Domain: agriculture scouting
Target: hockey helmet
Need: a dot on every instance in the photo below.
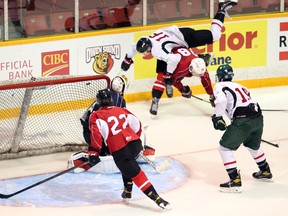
(197, 67)
(104, 97)
(119, 84)
(143, 45)
(224, 73)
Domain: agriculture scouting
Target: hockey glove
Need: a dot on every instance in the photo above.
(126, 63)
(186, 92)
(218, 123)
(212, 99)
(93, 158)
(168, 78)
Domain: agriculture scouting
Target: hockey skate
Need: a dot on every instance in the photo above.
(127, 192)
(154, 106)
(159, 201)
(264, 175)
(169, 91)
(223, 7)
(233, 185)
(208, 58)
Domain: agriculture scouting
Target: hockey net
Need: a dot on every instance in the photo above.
(42, 116)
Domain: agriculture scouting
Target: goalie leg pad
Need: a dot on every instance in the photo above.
(76, 159)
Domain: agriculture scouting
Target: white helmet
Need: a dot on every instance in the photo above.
(119, 84)
(197, 67)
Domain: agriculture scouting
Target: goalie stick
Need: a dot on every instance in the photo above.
(163, 166)
(6, 196)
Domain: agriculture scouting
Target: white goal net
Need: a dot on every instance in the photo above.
(42, 116)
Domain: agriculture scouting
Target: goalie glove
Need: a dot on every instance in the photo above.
(218, 123)
(126, 63)
(93, 158)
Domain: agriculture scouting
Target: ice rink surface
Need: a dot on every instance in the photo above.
(182, 131)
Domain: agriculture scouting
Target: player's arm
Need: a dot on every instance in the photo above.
(206, 83)
(220, 101)
(96, 140)
(172, 61)
(128, 60)
(134, 123)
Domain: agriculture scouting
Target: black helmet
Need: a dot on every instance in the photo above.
(143, 44)
(224, 73)
(104, 97)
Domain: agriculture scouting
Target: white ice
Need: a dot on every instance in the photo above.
(183, 131)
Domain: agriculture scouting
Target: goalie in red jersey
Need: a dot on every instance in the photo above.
(188, 65)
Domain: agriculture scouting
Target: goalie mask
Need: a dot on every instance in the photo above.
(197, 67)
(224, 73)
(119, 84)
(104, 97)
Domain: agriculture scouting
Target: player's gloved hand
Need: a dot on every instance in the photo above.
(126, 63)
(186, 92)
(218, 123)
(212, 99)
(93, 158)
(168, 78)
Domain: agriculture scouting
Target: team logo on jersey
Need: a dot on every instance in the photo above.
(102, 57)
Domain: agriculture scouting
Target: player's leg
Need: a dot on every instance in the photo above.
(130, 169)
(158, 87)
(253, 144)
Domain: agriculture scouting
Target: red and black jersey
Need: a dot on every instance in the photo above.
(115, 125)
(182, 69)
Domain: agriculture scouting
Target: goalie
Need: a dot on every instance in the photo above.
(121, 130)
(107, 165)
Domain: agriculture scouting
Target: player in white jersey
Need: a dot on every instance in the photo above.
(160, 44)
(246, 127)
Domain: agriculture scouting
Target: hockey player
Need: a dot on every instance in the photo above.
(161, 43)
(189, 64)
(118, 88)
(246, 127)
(121, 130)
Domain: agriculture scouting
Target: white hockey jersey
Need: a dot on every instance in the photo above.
(229, 96)
(163, 41)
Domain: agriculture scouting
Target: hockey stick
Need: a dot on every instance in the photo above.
(6, 196)
(163, 166)
(273, 144)
(270, 143)
(200, 99)
(271, 110)
(275, 110)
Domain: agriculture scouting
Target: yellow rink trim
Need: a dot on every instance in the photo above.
(47, 108)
